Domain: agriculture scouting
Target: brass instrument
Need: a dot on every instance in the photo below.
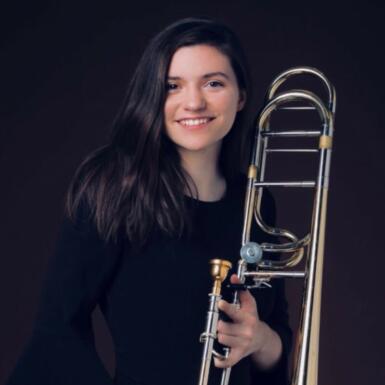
(312, 245)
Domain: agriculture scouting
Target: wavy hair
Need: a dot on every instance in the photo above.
(135, 182)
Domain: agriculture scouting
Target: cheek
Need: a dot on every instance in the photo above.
(228, 102)
(171, 104)
(168, 110)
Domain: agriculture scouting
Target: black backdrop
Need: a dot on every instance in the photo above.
(64, 70)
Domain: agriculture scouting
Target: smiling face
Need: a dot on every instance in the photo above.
(202, 99)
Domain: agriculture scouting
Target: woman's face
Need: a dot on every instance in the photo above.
(202, 98)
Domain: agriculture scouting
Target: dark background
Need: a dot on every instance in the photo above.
(64, 71)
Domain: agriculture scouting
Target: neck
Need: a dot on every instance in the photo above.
(203, 169)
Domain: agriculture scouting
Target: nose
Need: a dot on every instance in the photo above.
(194, 99)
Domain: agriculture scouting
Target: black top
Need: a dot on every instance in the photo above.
(154, 301)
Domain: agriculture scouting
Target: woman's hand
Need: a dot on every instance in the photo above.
(247, 334)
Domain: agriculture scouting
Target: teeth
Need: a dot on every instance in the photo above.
(193, 122)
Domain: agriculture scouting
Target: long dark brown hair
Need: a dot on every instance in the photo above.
(136, 181)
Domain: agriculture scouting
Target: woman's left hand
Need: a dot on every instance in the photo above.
(247, 334)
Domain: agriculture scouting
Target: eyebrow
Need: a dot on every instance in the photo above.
(205, 76)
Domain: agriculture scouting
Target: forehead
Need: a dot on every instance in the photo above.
(198, 60)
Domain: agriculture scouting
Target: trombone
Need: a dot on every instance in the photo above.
(312, 245)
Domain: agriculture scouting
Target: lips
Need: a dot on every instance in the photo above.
(195, 122)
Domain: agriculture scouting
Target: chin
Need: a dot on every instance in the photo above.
(196, 147)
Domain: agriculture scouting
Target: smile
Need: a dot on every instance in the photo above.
(194, 122)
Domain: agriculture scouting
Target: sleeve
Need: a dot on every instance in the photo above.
(61, 350)
(278, 318)
(279, 322)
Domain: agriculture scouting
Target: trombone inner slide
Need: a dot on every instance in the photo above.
(219, 271)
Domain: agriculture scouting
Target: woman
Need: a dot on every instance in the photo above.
(145, 214)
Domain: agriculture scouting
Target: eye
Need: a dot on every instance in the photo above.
(215, 84)
(171, 87)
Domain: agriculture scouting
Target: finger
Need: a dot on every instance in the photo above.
(231, 360)
(231, 310)
(244, 332)
(246, 300)
(229, 341)
(229, 328)
(234, 279)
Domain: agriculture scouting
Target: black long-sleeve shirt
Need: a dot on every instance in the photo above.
(154, 301)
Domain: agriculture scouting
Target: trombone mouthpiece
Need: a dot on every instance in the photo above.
(219, 271)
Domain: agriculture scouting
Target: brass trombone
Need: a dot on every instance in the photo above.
(312, 245)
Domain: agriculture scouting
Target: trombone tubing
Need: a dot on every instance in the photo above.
(306, 359)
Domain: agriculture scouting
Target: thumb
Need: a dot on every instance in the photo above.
(246, 300)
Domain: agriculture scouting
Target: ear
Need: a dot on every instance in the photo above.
(242, 100)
